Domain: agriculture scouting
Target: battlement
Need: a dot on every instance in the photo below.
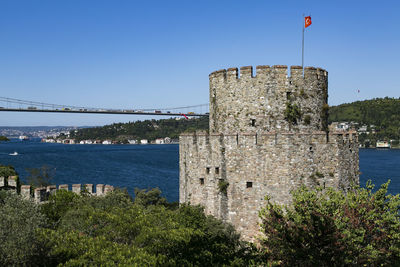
(268, 100)
(269, 138)
(41, 194)
(269, 71)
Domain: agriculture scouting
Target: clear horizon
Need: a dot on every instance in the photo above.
(136, 55)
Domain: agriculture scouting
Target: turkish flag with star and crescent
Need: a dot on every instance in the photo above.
(307, 21)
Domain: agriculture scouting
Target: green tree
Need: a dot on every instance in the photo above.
(57, 205)
(6, 171)
(184, 236)
(77, 249)
(329, 227)
(149, 197)
(19, 220)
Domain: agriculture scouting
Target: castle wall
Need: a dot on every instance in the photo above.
(268, 136)
(274, 164)
(257, 103)
(41, 194)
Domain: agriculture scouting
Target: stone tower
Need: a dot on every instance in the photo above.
(267, 135)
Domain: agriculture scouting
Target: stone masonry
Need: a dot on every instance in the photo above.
(254, 148)
(41, 194)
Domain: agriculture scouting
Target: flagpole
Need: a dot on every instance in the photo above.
(302, 48)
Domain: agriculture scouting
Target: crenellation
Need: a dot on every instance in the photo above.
(12, 181)
(255, 151)
(232, 74)
(76, 188)
(42, 194)
(100, 189)
(246, 72)
(26, 191)
(63, 187)
(262, 71)
(51, 189)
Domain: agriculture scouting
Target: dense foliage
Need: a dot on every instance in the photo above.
(6, 171)
(331, 228)
(19, 220)
(83, 230)
(383, 113)
(148, 129)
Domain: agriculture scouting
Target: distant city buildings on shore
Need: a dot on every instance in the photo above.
(70, 141)
(363, 130)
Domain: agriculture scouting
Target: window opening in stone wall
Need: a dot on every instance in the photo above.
(216, 170)
(208, 170)
(253, 122)
(249, 184)
(202, 181)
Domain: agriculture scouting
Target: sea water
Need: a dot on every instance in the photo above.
(148, 166)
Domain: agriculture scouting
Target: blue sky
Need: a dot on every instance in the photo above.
(155, 54)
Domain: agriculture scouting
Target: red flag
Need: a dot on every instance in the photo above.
(307, 21)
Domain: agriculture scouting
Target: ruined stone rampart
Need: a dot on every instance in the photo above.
(41, 194)
(268, 135)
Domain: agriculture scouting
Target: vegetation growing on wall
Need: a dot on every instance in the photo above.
(292, 112)
(223, 186)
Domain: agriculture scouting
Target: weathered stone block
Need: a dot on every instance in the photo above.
(40, 194)
(26, 191)
(63, 187)
(76, 188)
(12, 181)
(108, 188)
(2, 181)
(100, 189)
(51, 189)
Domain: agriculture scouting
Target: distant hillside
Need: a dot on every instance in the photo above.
(383, 113)
(148, 129)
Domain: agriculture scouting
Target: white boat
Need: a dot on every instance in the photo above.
(23, 137)
(13, 154)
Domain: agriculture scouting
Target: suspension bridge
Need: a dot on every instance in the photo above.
(17, 105)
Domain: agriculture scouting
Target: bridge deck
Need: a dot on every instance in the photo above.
(121, 112)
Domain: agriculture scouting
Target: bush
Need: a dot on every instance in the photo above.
(328, 227)
(292, 113)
